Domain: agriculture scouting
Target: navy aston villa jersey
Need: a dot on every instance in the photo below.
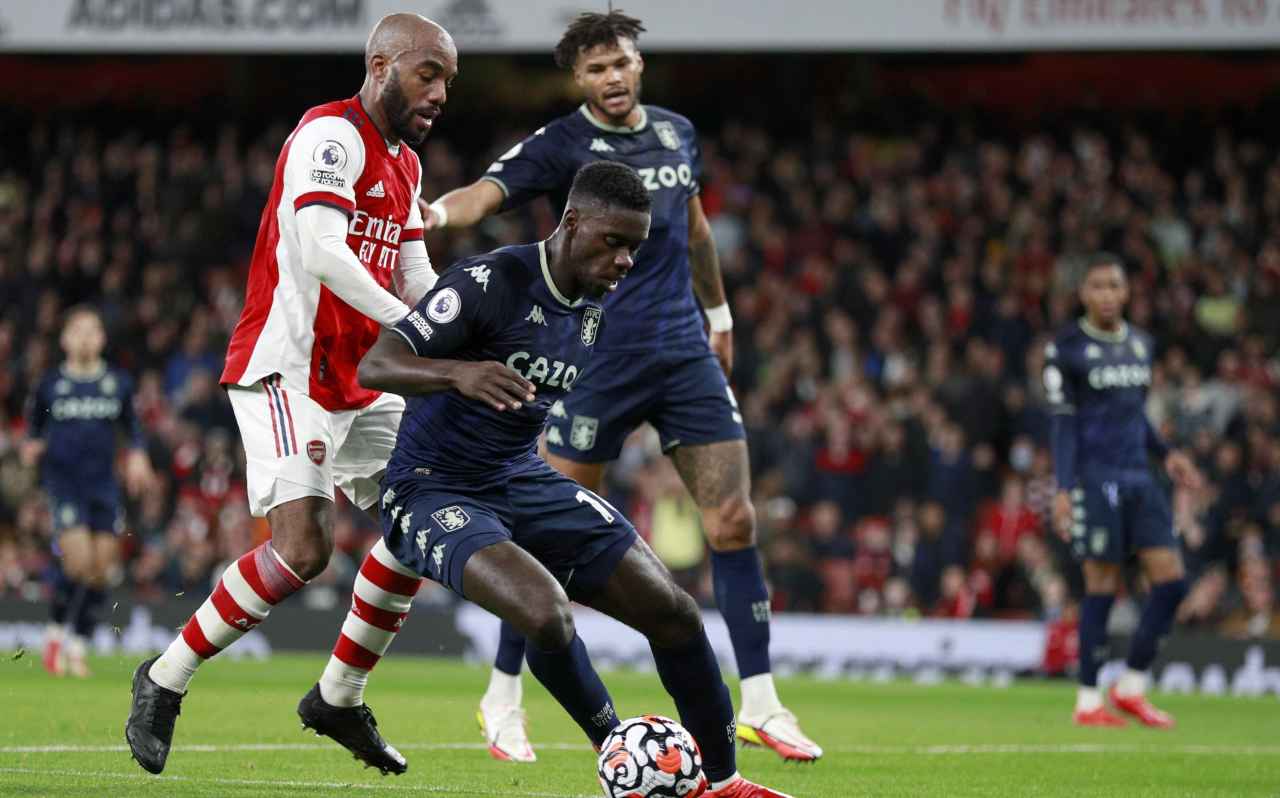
(79, 420)
(655, 306)
(499, 306)
(1103, 379)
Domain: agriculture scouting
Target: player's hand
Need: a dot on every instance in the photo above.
(430, 221)
(1182, 471)
(31, 451)
(1063, 516)
(494, 384)
(722, 345)
(138, 476)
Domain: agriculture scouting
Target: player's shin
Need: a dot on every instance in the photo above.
(691, 674)
(1155, 623)
(380, 602)
(1094, 611)
(570, 677)
(243, 597)
(743, 600)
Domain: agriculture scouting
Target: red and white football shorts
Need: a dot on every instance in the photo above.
(296, 448)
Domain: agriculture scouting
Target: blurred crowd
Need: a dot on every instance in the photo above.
(892, 296)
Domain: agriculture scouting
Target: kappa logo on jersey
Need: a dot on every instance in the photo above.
(557, 409)
(600, 145)
(536, 316)
(437, 554)
(1139, 349)
(376, 190)
(405, 522)
(445, 306)
(451, 518)
(1092, 352)
(554, 437)
(582, 436)
(667, 135)
(316, 451)
(108, 384)
(480, 272)
(388, 497)
(590, 325)
(62, 387)
(423, 537)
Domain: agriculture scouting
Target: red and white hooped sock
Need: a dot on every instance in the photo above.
(380, 601)
(243, 597)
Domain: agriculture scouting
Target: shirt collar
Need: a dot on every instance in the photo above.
(1098, 334)
(551, 284)
(639, 126)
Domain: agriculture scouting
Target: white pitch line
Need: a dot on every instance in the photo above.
(332, 785)
(916, 750)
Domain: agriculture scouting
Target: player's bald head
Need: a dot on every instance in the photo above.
(399, 35)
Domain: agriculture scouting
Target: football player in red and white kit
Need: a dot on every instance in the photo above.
(340, 229)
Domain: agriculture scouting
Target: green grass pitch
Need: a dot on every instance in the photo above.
(238, 736)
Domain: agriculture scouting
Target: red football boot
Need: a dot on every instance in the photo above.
(1139, 707)
(53, 658)
(741, 788)
(1098, 717)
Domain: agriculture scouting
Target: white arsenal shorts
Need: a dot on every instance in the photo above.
(296, 448)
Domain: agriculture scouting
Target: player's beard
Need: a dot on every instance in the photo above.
(399, 115)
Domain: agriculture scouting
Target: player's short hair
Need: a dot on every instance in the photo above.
(614, 184)
(81, 310)
(1099, 260)
(590, 29)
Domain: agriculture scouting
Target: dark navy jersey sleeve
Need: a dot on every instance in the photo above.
(466, 304)
(695, 158)
(541, 164)
(129, 420)
(38, 410)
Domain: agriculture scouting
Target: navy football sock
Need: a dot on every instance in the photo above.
(692, 677)
(571, 678)
(1156, 620)
(1093, 635)
(743, 600)
(86, 619)
(60, 600)
(510, 656)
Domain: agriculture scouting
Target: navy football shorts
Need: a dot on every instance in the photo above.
(434, 526)
(1116, 514)
(72, 507)
(684, 395)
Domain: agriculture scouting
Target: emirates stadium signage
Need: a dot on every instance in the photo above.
(722, 25)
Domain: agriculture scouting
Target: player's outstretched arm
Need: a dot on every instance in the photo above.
(391, 365)
(462, 207)
(708, 285)
(322, 231)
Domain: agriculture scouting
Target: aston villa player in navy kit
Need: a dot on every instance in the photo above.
(1110, 505)
(468, 502)
(653, 362)
(77, 414)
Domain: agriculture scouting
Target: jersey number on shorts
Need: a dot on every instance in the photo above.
(594, 501)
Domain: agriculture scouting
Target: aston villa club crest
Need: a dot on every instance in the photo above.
(590, 325)
(582, 435)
(667, 135)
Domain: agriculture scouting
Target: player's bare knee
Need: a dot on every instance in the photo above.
(734, 524)
(678, 622)
(551, 628)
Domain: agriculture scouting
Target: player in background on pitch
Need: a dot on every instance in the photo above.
(1109, 503)
(653, 363)
(76, 416)
(341, 227)
(468, 502)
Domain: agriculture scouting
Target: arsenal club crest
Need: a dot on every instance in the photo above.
(316, 450)
(590, 325)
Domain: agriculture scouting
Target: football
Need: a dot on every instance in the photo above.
(651, 757)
